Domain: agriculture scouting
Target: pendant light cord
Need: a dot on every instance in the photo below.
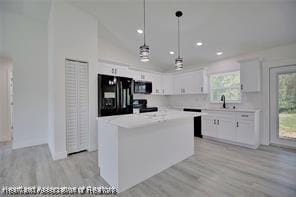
(178, 37)
(144, 23)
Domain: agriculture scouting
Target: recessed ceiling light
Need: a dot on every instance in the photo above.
(172, 52)
(199, 43)
(219, 53)
(140, 31)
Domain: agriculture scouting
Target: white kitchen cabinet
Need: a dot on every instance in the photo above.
(200, 79)
(209, 127)
(141, 75)
(177, 85)
(112, 69)
(219, 125)
(194, 82)
(167, 84)
(247, 130)
(226, 127)
(182, 84)
(157, 84)
(250, 75)
(237, 127)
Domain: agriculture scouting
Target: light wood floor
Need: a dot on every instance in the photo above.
(216, 169)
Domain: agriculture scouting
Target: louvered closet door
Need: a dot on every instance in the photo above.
(76, 106)
(83, 120)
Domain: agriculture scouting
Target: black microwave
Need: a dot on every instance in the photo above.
(143, 87)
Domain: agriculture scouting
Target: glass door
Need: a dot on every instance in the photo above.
(283, 105)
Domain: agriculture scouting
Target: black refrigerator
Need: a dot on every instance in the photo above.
(115, 95)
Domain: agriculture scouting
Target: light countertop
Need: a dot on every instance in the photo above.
(216, 109)
(140, 120)
(232, 110)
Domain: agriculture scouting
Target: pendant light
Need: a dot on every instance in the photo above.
(179, 59)
(144, 49)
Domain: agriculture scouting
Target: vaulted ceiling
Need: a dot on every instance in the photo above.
(234, 27)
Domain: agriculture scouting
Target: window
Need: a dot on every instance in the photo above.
(227, 84)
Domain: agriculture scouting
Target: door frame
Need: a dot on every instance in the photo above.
(273, 106)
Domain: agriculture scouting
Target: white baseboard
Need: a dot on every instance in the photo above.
(28, 143)
(231, 142)
(4, 138)
(57, 155)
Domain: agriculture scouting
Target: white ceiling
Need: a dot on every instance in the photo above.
(234, 27)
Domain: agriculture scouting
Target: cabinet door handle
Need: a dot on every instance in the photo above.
(115, 70)
(217, 122)
(237, 125)
(201, 89)
(214, 121)
(245, 116)
(242, 86)
(112, 70)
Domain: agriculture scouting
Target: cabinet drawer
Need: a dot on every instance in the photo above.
(245, 116)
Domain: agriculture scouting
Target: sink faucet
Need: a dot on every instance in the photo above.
(223, 99)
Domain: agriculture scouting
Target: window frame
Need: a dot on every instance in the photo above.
(219, 74)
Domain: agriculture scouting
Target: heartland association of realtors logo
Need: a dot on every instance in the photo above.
(63, 190)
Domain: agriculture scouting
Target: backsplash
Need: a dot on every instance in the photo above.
(249, 101)
(153, 100)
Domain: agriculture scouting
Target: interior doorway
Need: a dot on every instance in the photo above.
(6, 102)
(283, 106)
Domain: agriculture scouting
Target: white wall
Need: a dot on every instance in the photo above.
(1, 31)
(5, 67)
(111, 49)
(25, 42)
(73, 34)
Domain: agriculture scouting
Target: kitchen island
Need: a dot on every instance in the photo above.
(134, 147)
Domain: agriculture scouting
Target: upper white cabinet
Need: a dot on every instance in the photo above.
(167, 80)
(157, 84)
(181, 83)
(201, 80)
(112, 69)
(141, 75)
(250, 75)
(194, 82)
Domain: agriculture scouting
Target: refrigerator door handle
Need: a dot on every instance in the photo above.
(120, 95)
(117, 95)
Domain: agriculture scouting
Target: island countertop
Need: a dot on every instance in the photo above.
(129, 121)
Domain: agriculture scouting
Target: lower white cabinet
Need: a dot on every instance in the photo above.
(240, 128)
(226, 127)
(209, 127)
